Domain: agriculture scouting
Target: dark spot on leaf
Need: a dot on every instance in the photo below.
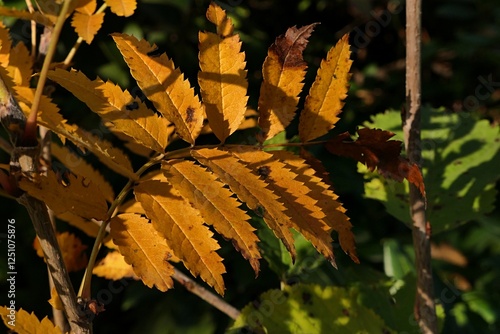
(132, 106)
(260, 211)
(85, 182)
(190, 115)
(345, 312)
(154, 53)
(307, 298)
(458, 162)
(264, 171)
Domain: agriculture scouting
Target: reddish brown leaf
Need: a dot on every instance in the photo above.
(374, 149)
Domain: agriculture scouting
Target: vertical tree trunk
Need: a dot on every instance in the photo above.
(424, 308)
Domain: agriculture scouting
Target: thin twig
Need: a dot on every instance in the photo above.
(424, 309)
(30, 130)
(206, 295)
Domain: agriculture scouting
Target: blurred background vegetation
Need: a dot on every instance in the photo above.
(460, 45)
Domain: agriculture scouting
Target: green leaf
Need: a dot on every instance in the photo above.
(396, 262)
(309, 309)
(461, 156)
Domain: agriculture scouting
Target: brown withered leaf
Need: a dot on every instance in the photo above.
(374, 149)
(283, 73)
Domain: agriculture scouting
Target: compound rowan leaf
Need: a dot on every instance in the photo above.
(128, 115)
(164, 85)
(283, 71)
(122, 7)
(326, 199)
(79, 166)
(87, 26)
(144, 249)
(216, 205)
(80, 195)
(222, 78)
(306, 216)
(374, 149)
(27, 323)
(251, 190)
(327, 93)
(182, 226)
(113, 266)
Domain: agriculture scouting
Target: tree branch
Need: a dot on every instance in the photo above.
(206, 295)
(424, 308)
(37, 210)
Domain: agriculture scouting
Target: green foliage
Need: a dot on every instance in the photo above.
(460, 166)
(310, 309)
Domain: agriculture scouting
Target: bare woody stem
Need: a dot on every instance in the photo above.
(206, 295)
(53, 256)
(424, 308)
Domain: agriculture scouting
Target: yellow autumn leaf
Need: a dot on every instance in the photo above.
(283, 73)
(72, 249)
(79, 196)
(55, 301)
(80, 166)
(48, 116)
(251, 190)
(182, 226)
(23, 322)
(87, 26)
(306, 216)
(114, 267)
(143, 248)
(222, 78)
(131, 206)
(122, 7)
(164, 85)
(85, 225)
(327, 93)
(217, 16)
(86, 6)
(127, 114)
(47, 20)
(5, 45)
(20, 65)
(216, 204)
(335, 215)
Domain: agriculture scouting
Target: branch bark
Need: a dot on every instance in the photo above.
(424, 308)
(37, 210)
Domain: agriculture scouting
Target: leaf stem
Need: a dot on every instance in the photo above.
(84, 291)
(30, 130)
(206, 295)
(79, 41)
